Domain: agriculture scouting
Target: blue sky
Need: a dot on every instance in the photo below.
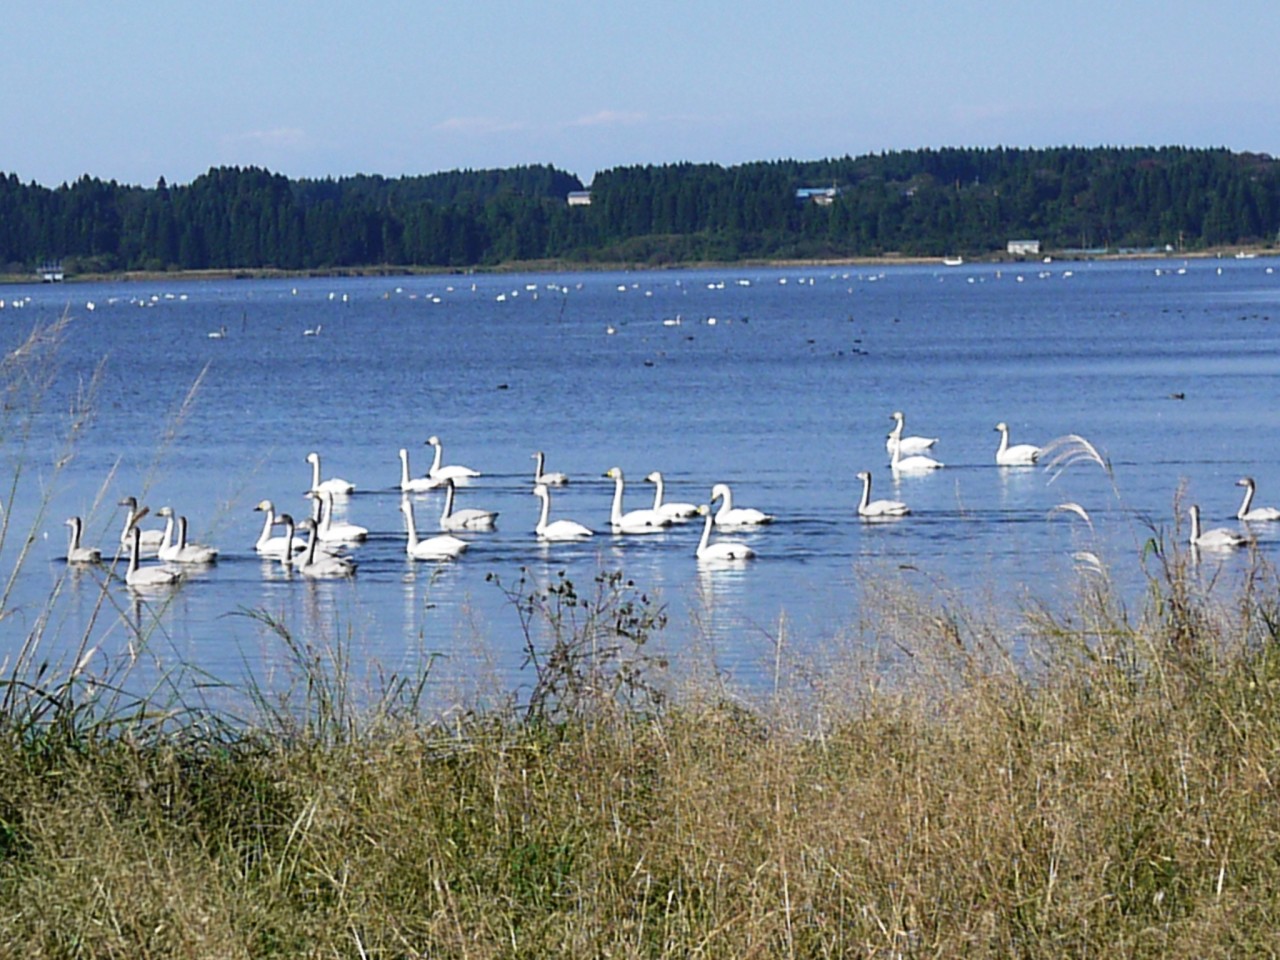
(133, 91)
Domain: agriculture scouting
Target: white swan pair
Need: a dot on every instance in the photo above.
(634, 521)
(150, 539)
(310, 562)
(329, 530)
(180, 550)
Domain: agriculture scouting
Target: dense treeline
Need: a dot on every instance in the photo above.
(920, 202)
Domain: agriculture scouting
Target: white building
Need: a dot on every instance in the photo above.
(1024, 248)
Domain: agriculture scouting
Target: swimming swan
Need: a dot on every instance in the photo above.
(560, 529)
(275, 546)
(1017, 455)
(1256, 513)
(637, 521)
(452, 472)
(730, 516)
(442, 547)
(410, 484)
(553, 479)
(722, 549)
(334, 485)
(468, 519)
(318, 566)
(676, 510)
(178, 550)
(75, 552)
(137, 576)
(1219, 538)
(330, 530)
(151, 539)
(917, 463)
(907, 446)
(874, 509)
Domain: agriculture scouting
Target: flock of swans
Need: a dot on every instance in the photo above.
(317, 546)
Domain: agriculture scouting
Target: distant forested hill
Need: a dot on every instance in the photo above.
(920, 202)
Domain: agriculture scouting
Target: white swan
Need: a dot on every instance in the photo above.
(335, 485)
(1247, 511)
(138, 576)
(452, 472)
(468, 519)
(410, 484)
(318, 566)
(1219, 538)
(441, 547)
(177, 549)
(1015, 455)
(637, 521)
(676, 510)
(873, 509)
(330, 530)
(151, 539)
(275, 546)
(552, 479)
(917, 463)
(75, 552)
(721, 549)
(730, 516)
(907, 446)
(560, 529)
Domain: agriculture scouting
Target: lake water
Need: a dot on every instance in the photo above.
(778, 381)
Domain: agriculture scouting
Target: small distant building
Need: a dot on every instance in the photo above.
(50, 271)
(579, 198)
(822, 196)
(1023, 248)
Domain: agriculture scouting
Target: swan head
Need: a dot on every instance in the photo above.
(313, 457)
(896, 415)
(1245, 482)
(654, 477)
(264, 506)
(433, 441)
(306, 524)
(704, 510)
(130, 502)
(614, 473)
(1002, 427)
(165, 512)
(540, 491)
(285, 520)
(863, 475)
(719, 491)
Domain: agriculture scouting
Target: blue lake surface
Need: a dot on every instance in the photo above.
(777, 381)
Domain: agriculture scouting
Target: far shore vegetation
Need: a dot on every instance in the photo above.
(894, 207)
(1096, 777)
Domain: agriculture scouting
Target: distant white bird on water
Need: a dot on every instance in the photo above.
(674, 509)
(559, 529)
(917, 463)
(878, 509)
(143, 577)
(730, 516)
(1249, 512)
(1014, 455)
(75, 552)
(721, 550)
(551, 479)
(334, 485)
(1219, 538)
(410, 484)
(439, 473)
(907, 446)
(445, 546)
(634, 521)
(470, 518)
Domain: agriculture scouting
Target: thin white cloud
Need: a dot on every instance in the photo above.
(609, 118)
(281, 137)
(479, 125)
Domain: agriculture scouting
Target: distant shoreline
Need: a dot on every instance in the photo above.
(565, 266)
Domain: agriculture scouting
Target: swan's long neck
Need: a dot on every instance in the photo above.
(266, 527)
(182, 533)
(75, 536)
(324, 514)
(1248, 501)
(168, 533)
(448, 497)
(545, 513)
(866, 492)
(288, 539)
(540, 458)
(658, 488)
(136, 543)
(404, 466)
(615, 514)
(1195, 523)
(896, 432)
(311, 546)
(410, 526)
(315, 473)
(706, 534)
(1004, 442)
(435, 461)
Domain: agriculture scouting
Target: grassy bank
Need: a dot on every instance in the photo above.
(1109, 790)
